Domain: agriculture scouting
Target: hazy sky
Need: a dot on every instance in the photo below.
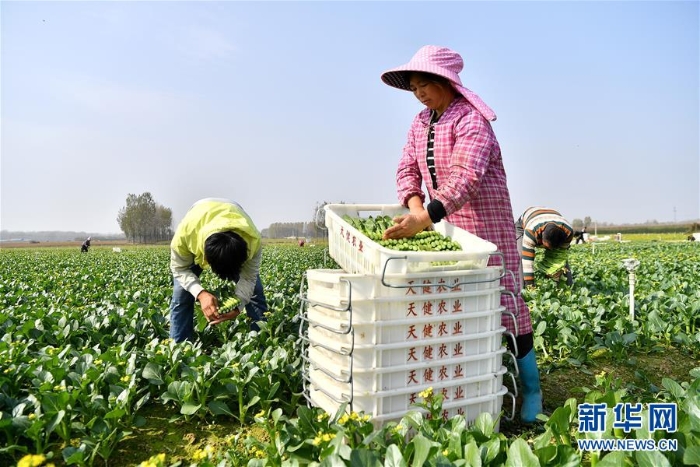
(280, 106)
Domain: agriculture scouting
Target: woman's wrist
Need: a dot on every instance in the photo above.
(436, 211)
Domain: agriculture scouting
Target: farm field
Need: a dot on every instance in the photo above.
(88, 375)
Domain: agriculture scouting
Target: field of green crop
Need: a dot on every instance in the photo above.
(88, 375)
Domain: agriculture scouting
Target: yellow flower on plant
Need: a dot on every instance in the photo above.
(58, 387)
(98, 362)
(258, 453)
(426, 394)
(201, 454)
(31, 460)
(322, 417)
(125, 379)
(320, 437)
(31, 416)
(7, 371)
(445, 452)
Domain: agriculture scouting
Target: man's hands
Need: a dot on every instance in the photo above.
(210, 308)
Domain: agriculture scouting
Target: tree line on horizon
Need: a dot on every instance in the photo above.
(143, 220)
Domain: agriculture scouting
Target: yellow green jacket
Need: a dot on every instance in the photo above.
(206, 217)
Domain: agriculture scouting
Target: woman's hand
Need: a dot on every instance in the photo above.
(210, 308)
(408, 225)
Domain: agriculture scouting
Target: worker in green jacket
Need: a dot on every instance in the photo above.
(214, 233)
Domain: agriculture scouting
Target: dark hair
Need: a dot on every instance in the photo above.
(226, 252)
(441, 80)
(554, 235)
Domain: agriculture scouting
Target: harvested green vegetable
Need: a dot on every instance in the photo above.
(553, 261)
(223, 290)
(427, 240)
(229, 304)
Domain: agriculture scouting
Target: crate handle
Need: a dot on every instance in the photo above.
(326, 372)
(515, 385)
(512, 414)
(515, 364)
(304, 299)
(342, 352)
(515, 325)
(344, 400)
(320, 218)
(510, 335)
(340, 331)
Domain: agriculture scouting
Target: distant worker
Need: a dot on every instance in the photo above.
(214, 233)
(85, 246)
(302, 242)
(544, 228)
(580, 235)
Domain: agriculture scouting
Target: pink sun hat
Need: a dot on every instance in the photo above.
(439, 61)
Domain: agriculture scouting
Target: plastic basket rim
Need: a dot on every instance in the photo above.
(491, 247)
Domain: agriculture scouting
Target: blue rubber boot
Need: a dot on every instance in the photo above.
(530, 388)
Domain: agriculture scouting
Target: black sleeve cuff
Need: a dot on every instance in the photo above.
(436, 211)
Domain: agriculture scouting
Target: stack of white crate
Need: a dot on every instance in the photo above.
(392, 324)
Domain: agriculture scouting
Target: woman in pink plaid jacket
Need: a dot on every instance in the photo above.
(452, 148)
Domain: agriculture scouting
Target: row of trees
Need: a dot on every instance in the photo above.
(144, 221)
(316, 228)
(293, 229)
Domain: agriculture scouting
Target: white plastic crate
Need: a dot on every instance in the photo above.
(401, 399)
(356, 253)
(341, 285)
(438, 306)
(413, 328)
(341, 371)
(405, 353)
(469, 398)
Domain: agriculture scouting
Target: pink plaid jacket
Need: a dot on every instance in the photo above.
(471, 184)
